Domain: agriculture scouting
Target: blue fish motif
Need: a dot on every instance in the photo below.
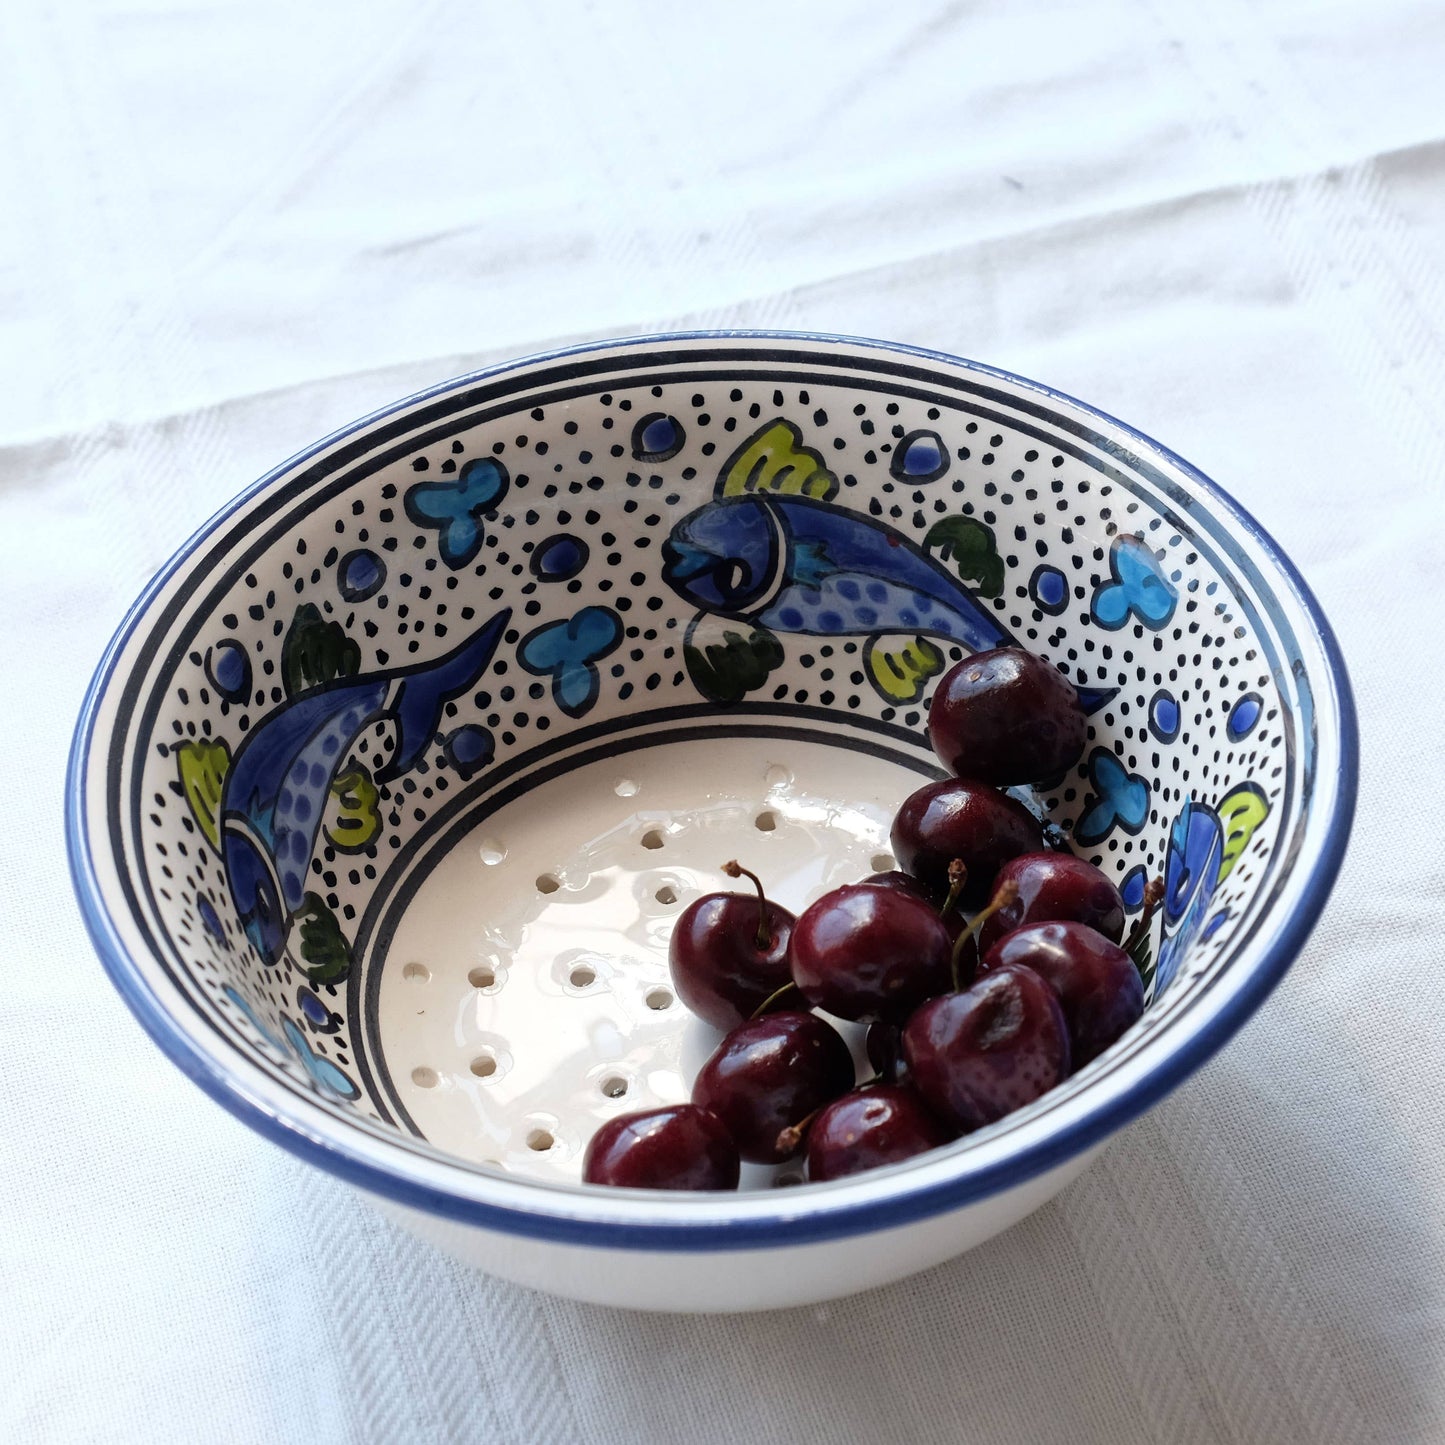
(802, 565)
(275, 791)
(1204, 846)
(1191, 874)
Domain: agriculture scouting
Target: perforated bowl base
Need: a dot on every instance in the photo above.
(525, 997)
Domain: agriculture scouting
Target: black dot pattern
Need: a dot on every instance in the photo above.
(597, 486)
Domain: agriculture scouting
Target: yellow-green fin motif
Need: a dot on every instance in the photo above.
(203, 766)
(1240, 813)
(901, 673)
(775, 459)
(355, 818)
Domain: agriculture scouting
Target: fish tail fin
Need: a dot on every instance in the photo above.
(1091, 699)
(423, 692)
(900, 673)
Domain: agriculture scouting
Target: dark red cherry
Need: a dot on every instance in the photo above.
(866, 953)
(900, 882)
(870, 1127)
(771, 1074)
(980, 1054)
(1096, 981)
(680, 1147)
(1055, 887)
(1005, 717)
(729, 951)
(951, 914)
(961, 819)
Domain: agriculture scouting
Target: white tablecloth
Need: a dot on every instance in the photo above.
(226, 229)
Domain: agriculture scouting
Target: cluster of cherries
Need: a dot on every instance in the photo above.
(967, 1021)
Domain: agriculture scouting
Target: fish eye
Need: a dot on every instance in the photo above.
(733, 576)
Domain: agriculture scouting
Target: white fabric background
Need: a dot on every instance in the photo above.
(227, 228)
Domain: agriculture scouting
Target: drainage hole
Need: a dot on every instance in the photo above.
(659, 998)
(882, 863)
(652, 838)
(582, 976)
(548, 883)
(484, 1066)
(424, 1078)
(416, 972)
(666, 894)
(766, 821)
(614, 1087)
(482, 977)
(540, 1141)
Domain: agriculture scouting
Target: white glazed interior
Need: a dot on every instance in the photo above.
(516, 1012)
(1038, 469)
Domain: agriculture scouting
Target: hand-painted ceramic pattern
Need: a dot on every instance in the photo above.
(394, 633)
(366, 673)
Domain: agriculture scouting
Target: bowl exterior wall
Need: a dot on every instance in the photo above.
(737, 1281)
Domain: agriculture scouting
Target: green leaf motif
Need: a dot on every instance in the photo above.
(1144, 961)
(970, 546)
(316, 652)
(727, 671)
(324, 948)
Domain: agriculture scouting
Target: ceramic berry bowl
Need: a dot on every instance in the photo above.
(386, 795)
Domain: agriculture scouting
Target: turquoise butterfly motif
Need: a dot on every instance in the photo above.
(568, 652)
(455, 507)
(1120, 799)
(1138, 589)
(321, 1071)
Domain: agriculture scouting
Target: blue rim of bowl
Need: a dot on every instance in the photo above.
(789, 1225)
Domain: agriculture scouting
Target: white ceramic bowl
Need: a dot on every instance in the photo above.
(387, 789)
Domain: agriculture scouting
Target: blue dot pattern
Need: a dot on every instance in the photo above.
(559, 558)
(229, 670)
(1131, 890)
(919, 457)
(1243, 716)
(469, 748)
(657, 437)
(1049, 589)
(1164, 716)
(360, 575)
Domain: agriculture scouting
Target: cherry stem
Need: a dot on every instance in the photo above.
(790, 1140)
(774, 998)
(957, 877)
(734, 869)
(1007, 892)
(1153, 897)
